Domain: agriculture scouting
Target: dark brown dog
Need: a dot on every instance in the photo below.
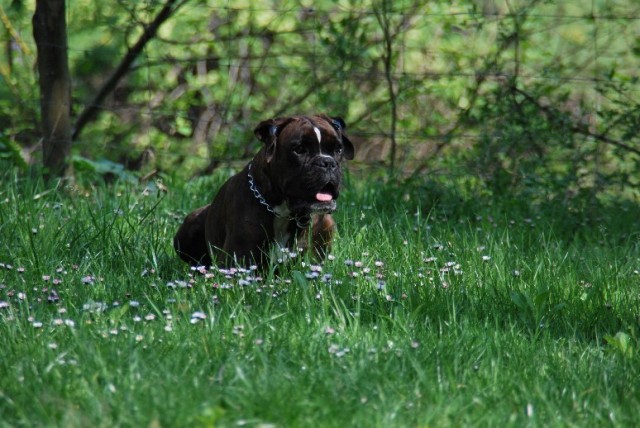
(282, 197)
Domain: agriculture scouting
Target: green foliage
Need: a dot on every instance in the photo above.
(622, 344)
(493, 283)
(10, 151)
(532, 98)
(92, 170)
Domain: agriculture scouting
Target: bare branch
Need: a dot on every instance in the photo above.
(93, 108)
(578, 129)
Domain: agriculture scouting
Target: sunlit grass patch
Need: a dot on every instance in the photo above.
(418, 317)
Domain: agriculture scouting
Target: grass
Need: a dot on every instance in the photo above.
(463, 314)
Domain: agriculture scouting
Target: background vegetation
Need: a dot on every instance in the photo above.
(532, 97)
(488, 264)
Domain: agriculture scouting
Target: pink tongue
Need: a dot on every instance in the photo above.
(324, 197)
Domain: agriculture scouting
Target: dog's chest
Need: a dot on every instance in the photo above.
(281, 226)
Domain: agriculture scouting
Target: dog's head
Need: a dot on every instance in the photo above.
(303, 156)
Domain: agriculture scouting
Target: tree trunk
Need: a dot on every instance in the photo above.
(50, 33)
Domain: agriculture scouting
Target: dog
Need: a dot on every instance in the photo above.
(284, 197)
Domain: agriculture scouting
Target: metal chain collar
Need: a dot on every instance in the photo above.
(254, 189)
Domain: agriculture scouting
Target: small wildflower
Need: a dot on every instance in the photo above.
(183, 284)
(312, 275)
(529, 410)
(69, 323)
(95, 307)
(21, 270)
(150, 317)
(329, 331)
(196, 317)
(53, 297)
(22, 296)
(137, 318)
(486, 258)
(337, 351)
(37, 324)
(52, 345)
(414, 344)
(139, 337)
(3, 304)
(134, 303)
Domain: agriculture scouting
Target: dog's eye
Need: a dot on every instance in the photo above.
(338, 150)
(299, 149)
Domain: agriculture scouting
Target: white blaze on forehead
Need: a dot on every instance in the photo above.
(319, 141)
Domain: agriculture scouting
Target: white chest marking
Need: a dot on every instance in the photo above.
(280, 225)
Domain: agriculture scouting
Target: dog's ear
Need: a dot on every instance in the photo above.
(340, 127)
(267, 131)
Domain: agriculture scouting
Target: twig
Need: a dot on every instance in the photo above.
(93, 108)
(578, 129)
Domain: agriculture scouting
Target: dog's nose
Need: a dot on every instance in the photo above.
(325, 162)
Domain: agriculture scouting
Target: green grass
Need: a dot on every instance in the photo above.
(469, 313)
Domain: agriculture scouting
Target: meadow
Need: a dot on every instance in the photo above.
(434, 309)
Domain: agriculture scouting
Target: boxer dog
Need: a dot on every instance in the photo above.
(282, 198)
